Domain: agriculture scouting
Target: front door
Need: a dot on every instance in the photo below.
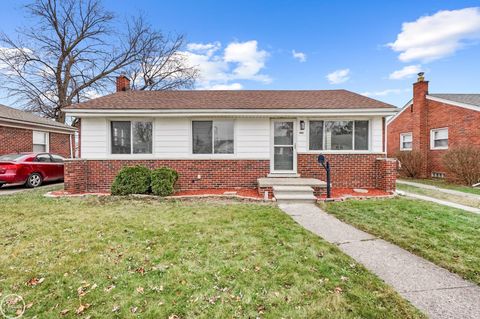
(284, 157)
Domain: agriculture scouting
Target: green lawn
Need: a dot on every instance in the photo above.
(126, 258)
(446, 236)
(444, 184)
(444, 196)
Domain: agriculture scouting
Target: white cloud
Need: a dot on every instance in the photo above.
(249, 60)
(206, 48)
(300, 56)
(405, 72)
(338, 76)
(437, 36)
(385, 92)
(238, 61)
(231, 86)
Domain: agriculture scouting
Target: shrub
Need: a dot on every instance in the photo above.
(163, 181)
(463, 164)
(411, 163)
(132, 180)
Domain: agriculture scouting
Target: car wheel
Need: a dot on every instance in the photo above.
(34, 180)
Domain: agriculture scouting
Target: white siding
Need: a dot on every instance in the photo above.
(252, 138)
(94, 138)
(377, 134)
(172, 139)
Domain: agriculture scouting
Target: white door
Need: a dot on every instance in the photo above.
(284, 157)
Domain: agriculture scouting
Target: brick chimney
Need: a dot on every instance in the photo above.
(421, 136)
(123, 83)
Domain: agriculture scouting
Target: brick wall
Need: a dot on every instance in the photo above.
(463, 129)
(346, 170)
(386, 178)
(98, 175)
(15, 140)
(349, 170)
(60, 144)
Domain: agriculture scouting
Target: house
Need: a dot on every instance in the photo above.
(231, 139)
(434, 123)
(25, 132)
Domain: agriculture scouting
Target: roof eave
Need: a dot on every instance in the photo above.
(230, 112)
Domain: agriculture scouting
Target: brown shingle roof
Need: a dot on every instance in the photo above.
(10, 113)
(245, 99)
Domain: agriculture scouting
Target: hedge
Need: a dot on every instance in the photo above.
(132, 180)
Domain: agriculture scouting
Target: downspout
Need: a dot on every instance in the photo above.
(71, 145)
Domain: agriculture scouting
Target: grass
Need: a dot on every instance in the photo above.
(126, 258)
(444, 184)
(444, 196)
(446, 236)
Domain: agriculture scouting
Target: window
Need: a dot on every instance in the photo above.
(57, 158)
(339, 135)
(212, 137)
(40, 141)
(43, 158)
(131, 137)
(439, 139)
(406, 141)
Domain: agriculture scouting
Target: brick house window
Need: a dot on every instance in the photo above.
(439, 139)
(40, 141)
(212, 137)
(131, 137)
(338, 135)
(406, 141)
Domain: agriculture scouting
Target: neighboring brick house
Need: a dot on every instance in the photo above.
(433, 124)
(25, 132)
(230, 139)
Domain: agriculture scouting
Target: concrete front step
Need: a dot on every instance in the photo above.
(295, 198)
(292, 190)
(281, 181)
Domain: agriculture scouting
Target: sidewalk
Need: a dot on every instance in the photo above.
(432, 289)
(439, 189)
(440, 201)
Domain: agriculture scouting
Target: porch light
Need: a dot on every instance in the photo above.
(302, 125)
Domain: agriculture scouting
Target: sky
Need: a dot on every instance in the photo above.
(374, 48)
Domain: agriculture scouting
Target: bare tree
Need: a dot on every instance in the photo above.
(74, 50)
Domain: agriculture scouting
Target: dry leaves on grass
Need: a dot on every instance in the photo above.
(35, 281)
(80, 310)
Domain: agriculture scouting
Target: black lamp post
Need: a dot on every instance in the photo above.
(326, 165)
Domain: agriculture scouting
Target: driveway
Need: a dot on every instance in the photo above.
(14, 189)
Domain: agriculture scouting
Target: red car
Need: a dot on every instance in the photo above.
(31, 169)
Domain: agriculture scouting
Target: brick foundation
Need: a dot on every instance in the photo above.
(351, 170)
(98, 175)
(348, 171)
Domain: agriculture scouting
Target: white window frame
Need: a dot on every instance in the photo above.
(47, 140)
(432, 138)
(213, 155)
(369, 149)
(131, 154)
(402, 135)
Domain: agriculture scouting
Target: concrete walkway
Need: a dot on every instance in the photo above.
(440, 201)
(439, 189)
(432, 289)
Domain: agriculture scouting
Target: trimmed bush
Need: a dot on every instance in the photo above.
(463, 164)
(132, 180)
(410, 163)
(163, 181)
